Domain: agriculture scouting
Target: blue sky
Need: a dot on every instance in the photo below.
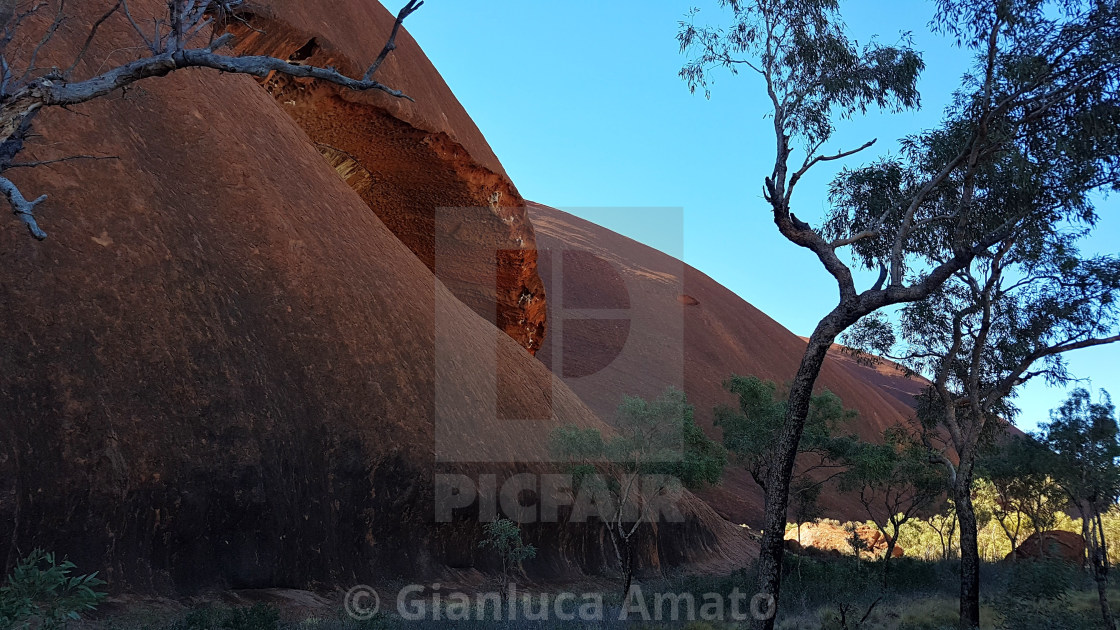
(581, 102)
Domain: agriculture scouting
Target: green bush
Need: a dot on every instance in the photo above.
(504, 536)
(41, 592)
(1038, 597)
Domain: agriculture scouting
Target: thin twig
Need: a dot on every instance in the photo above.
(89, 39)
(136, 27)
(391, 45)
(69, 158)
(59, 18)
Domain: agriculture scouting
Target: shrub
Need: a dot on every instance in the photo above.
(41, 592)
(504, 537)
(1038, 597)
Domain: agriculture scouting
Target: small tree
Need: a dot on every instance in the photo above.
(658, 449)
(1085, 440)
(1018, 475)
(187, 35)
(42, 593)
(855, 541)
(944, 523)
(1013, 523)
(895, 481)
(750, 434)
(504, 537)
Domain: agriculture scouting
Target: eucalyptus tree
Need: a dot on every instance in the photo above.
(895, 482)
(1085, 441)
(1018, 476)
(750, 434)
(1041, 93)
(1006, 319)
(181, 34)
(658, 450)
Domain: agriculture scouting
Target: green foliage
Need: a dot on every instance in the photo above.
(702, 461)
(1038, 597)
(751, 432)
(895, 480)
(42, 593)
(504, 537)
(1083, 436)
(933, 538)
(1085, 440)
(658, 449)
(815, 69)
(654, 437)
(1017, 475)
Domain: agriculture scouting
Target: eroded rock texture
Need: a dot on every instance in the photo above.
(422, 167)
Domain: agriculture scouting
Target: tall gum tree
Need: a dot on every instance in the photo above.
(1006, 319)
(1042, 87)
(1085, 441)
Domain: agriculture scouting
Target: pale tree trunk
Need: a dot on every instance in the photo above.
(628, 568)
(624, 553)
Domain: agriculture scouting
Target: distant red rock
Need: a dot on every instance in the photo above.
(1052, 545)
(827, 539)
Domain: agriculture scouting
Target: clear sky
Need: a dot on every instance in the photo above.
(582, 104)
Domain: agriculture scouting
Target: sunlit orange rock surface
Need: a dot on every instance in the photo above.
(827, 539)
(674, 326)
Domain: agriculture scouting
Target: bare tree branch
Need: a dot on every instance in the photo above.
(165, 63)
(823, 158)
(168, 50)
(68, 158)
(90, 38)
(22, 208)
(391, 45)
(841, 242)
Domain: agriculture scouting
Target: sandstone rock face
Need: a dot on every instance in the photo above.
(219, 371)
(1051, 545)
(672, 325)
(423, 167)
(826, 539)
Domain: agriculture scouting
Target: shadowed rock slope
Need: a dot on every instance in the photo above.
(219, 371)
(673, 325)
